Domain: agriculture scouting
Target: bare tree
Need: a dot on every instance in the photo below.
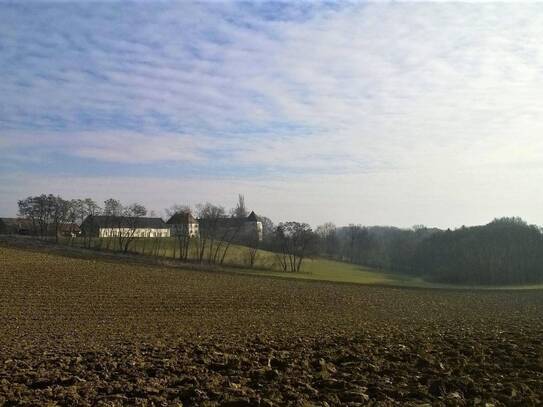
(39, 210)
(177, 208)
(90, 208)
(46, 212)
(44, 208)
(252, 241)
(234, 230)
(79, 210)
(230, 232)
(209, 218)
(240, 211)
(328, 239)
(74, 215)
(252, 245)
(129, 223)
(180, 229)
(123, 221)
(113, 210)
(293, 242)
(268, 228)
(60, 210)
(113, 207)
(29, 210)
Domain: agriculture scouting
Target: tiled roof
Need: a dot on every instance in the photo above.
(181, 218)
(120, 221)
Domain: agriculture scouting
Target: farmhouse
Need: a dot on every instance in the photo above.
(183, 224)
(180, 224)
(111, 226)
(69, 230)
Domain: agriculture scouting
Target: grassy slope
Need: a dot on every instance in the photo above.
(314, 269)
(329, 270)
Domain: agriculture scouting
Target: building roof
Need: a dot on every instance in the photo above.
(181, 218)
(103, 221)
(229, 222)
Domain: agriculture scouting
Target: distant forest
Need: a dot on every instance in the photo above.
(505, 251)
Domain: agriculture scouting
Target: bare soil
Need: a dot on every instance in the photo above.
(95, 331)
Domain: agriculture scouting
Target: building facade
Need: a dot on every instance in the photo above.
(115, 226)
(238, 229)
(183, 224)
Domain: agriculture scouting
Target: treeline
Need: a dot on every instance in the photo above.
(49, 217)
(505, 251)
(219, 229)
(48, 214)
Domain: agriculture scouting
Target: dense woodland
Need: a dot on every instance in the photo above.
(505, 251)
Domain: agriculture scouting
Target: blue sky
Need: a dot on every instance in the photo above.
(372, 113)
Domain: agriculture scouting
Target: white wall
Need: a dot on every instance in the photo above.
(193, 229)
(143, 232)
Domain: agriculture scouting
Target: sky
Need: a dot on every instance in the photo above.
(368, 113)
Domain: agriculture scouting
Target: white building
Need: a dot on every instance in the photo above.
(112, 226)
(183, 223)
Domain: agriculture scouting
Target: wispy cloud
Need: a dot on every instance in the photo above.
(277, 93)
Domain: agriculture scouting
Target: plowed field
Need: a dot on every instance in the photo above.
(89, 332)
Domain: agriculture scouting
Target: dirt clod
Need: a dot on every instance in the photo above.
(82, 332)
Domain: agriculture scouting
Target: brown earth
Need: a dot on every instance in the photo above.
(79, 331)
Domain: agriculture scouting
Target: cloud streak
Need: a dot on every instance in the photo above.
(278, 93)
